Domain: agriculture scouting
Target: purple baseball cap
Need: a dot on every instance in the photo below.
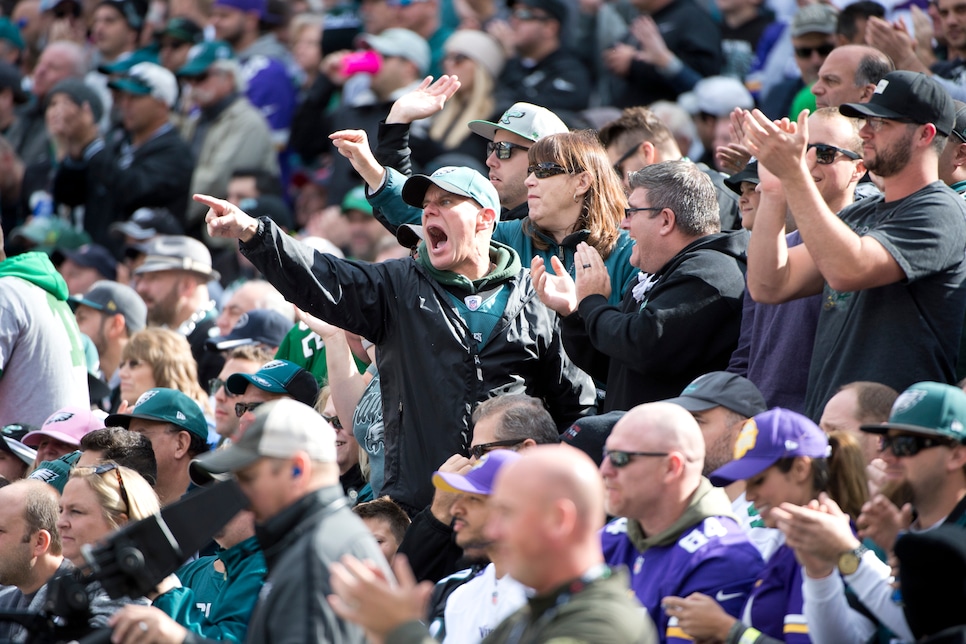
(478, 480)
(256, 6)
(767, 438)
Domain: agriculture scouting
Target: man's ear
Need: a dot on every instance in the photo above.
(486, 220)
(867, 90)
(669, 221)
(960, 159)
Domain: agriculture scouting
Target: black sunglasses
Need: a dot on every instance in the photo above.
(456, 59)
(909, 444)
(526, 14)
(619, 164)
(825, 154)
(546, 170)
(104, 468)
(334, 421)
(503, 149)
(217, 383)
(485, 448)
(621, 459)
(241, 408)
(821, 50)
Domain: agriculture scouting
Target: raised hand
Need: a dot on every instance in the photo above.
(557, 292)
(424, 101)
(225, 219)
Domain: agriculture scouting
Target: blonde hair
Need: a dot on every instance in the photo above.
(169, 355)
(141, 500)
(449, 127)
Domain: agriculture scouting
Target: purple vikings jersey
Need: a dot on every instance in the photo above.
(775, 606)
(715, 558)
(272, 91)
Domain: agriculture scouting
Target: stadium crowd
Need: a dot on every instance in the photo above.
(526, 321)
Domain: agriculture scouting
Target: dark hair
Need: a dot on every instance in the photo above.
(198, 444)
(841, 475)
(686, 190)
(521, 417)
(847, 24)
(254, 352)
(387, 509)
(872, 68)
(124, 447)
(265, 182)
(874, 401)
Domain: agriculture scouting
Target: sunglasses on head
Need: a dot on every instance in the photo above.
(910, 444)
(821, 50)
(619, 458)
(107, 467)
(825, 154)
(241, 408)
(546, 170)
(485, 448)
(503, 149)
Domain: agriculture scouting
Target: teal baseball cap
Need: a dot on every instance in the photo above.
(165, 406)
(56, 473)
(278, 377)
(355, 199)
(147, 54)
(203, 55)
(10, 33)
(458, 180)
(929, 408)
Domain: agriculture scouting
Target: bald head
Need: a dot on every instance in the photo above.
(663, 427)
(849, 75)
(546, 509)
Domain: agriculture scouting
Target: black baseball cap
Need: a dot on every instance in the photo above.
(258, 326)
(722, 389)
(907, 96)
(748, 175)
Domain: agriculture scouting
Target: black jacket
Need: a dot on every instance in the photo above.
(432, 372)
(300, 544)
(687, 325)
(111, 184)
(559, 82)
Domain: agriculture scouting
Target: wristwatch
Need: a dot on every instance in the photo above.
(849, 561)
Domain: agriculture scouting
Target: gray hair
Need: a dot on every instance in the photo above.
(521, 417)
(232, 67)
(686, 190)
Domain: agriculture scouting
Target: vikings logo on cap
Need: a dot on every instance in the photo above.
(747, 438)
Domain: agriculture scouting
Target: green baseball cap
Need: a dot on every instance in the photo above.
(10, 33)
(202, 55)
(930, 408)
(277, 377)
(56, 473)
(47, 233)
(355, 199)
(165, 406)
(147, 54)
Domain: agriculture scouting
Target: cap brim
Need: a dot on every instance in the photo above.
(223, 343)
(693, 404)
(202, 477)
(78, 300)
(456, 484)
(409, 235)
(862, 110)
(124, 420)
(129, 86)
(227, 460)
(156, 266)
(133, 230)
(26, 454)
(192, 69)
(743, 468)
(915, 429)
(416, 186)
(33, 438)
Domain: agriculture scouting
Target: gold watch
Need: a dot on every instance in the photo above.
(849, 561)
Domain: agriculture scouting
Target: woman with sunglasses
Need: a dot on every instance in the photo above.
(156, 357)
(96, 502)
(783, 457)
(588, 204)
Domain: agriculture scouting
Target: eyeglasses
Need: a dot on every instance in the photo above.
(130, 364)
(456, 59)
(200, 78)
(821, 50)
(875, 123)
(825, 154)
(334, 421)
(503, 149)
(104, 468)
(621, 459)
(526, 14)
(629, 212)
(241, 408)
(619, 164)
(485, 448)
(546, 170)
(909, 444)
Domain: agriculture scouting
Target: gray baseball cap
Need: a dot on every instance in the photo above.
(113, 298)
(722, 389)
(530, 121)
(177, 253)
